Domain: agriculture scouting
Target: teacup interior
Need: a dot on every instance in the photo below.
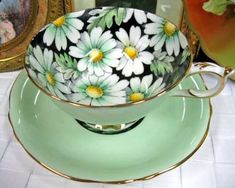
(108, 56)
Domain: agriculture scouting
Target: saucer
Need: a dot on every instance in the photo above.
(165, 139)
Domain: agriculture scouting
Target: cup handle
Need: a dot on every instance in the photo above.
(221, 73)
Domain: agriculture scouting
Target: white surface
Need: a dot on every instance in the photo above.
(213, 166)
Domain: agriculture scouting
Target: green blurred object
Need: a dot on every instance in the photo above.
(217, 7)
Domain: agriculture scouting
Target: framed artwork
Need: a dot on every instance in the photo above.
(20, 20)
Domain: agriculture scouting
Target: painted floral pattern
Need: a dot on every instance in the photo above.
(97, 52)
(165, 34)
(134, 54)
(63, 29)
(107, 56)
(98, 91)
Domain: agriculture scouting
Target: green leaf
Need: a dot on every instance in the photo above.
(121, 14)
(105, 18)
(109, 17)
(185, 55)
(161, 68)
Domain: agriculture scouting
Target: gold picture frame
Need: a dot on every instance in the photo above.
(41, 12)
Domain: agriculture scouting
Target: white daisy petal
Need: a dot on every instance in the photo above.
(93, 79)
(183, 40)
(143, 43)
(71, 33)
(155, 39)
(106, 68)
(120, 85)
(114, 54)
(123, 36)
(48, 57)
(63, 40)
(59, 77)
(59, 94)
(146, 82)
(109, 80)
(63, 88)
(176, 46)
(111, 62)
(39, 54)
(58, 39)
(76, 52)
(140, 16)
(76, 14)
(128, 69)
(82, 64)
(86, 101)
(103, 38)
(76, 23)
(122, 63)
(34, 63)
(95, 11)
(49, 34)
(160, 43)
(118, 93)
(138, 67)
(95, 35)
(135, 83)
(156, 85)
(90, 67)
(146, 57)
(150, 28)
(114, 100)
(98, 71)
(135, 34)
(169, 45)
(42, 80)
(95, 102)
(75, 97)
(51, 89)
(110, 44)
(129, 13)
(85, 38)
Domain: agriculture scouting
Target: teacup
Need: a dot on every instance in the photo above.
(109, 67)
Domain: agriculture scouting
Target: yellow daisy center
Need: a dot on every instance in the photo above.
(169, 29)
(50, 78)
(59, 21)
(94, 91)
(96, 55)
(131, 52)
(135, 97)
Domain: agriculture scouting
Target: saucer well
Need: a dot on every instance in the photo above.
(165, 139)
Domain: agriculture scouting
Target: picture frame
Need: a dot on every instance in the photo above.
(37, 14)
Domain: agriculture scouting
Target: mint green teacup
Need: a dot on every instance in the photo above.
(109, 67)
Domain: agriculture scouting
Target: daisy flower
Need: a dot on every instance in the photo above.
(165, 33)
(98, 91)
(139, 15)
(134, 56)
(142, 89)
(97, 52)
(63, 28)
(45, 72)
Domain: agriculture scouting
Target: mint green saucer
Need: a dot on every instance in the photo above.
(165, 139)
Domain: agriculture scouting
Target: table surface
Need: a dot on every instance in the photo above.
(213, 166)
